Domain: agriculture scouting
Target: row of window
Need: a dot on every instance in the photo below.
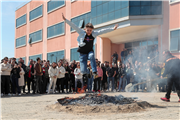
(38, 12)
(110, 16)
(175, 40)
(52, 31)
(56, 56)
(108, 7)
(142, 43)
(104, 11)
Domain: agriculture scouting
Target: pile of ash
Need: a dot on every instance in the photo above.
(99, 103)
(96, 99)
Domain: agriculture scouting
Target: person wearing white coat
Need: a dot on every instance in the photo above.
(78, 76)
(53, 73)
(60, 77)
(5, 70)
(21, 79)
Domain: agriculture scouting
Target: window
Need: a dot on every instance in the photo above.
(134, 3)
(36, 36)
(175, 40)
(35, 13)
(74, 54)
(145, 3)
(99, 10)
(145, 10)
(145, 7)
(111, 6)
(54, 4)
(105, 8)
(173, 0)
(21, 21)
(34, 57)
(93, 3)
(135, 10)
(124, 4)
(55, 30)
(117, 5)
(128, 45)
(108, 10)
(144, 43)
(55, 56)
(21, 41)
(81, 20)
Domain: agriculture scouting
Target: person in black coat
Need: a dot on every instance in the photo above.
(104, 77)
(15, 72)
(67, 76)
(172, 70)
(72, 77)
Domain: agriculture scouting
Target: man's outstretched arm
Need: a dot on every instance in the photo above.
(102, 31)
(75, 27)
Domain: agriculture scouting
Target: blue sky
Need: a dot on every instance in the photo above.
(8, 26)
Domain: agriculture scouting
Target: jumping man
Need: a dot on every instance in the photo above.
(85, 42)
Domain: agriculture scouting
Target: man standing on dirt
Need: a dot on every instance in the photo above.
(172, 69)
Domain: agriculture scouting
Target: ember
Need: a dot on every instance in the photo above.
(96, 99)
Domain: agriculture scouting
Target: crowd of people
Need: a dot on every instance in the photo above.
(44, 78)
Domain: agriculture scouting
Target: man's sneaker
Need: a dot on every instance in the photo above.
(9, 94)
(179, 101)
(19, 94)
(165, 99)
(99, 91)
(1, 94)
(14, 94)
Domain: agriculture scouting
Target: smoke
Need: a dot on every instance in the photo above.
(144, 65)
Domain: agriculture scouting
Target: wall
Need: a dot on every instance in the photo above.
(163, 34)
(174, 16)
(106, 49)
(19, 32)
(174, 19)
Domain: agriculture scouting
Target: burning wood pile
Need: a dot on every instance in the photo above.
(96, 99)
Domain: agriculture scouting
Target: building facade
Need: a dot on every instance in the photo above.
(41, 32)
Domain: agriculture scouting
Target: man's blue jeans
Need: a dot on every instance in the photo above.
(90, 81)
(122, 81)
(83, 62)
(108, 80)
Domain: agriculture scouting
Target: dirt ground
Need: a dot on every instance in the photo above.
(34, 107)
